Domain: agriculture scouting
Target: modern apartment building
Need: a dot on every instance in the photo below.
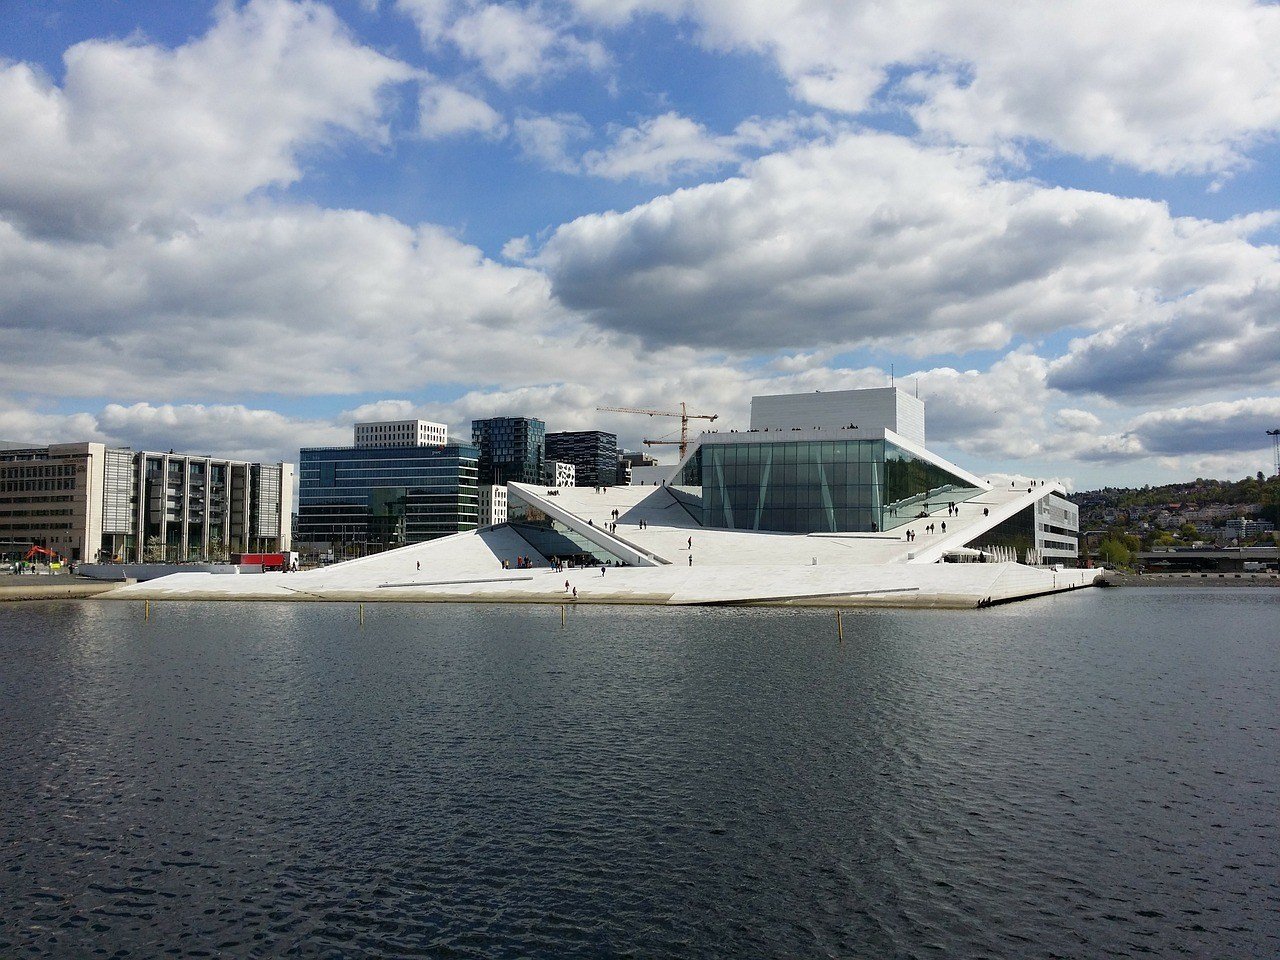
(88, 501)
(593, 453)
(511, 449)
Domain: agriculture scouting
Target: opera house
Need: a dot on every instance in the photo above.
(827, 498)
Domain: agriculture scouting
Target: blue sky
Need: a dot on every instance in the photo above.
(237, 226)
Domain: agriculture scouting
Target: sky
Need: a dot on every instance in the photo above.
(237, 227)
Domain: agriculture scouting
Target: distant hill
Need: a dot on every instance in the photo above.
(1191, 495)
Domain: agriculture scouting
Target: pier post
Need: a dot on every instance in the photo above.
(362, 614)
(839, 627)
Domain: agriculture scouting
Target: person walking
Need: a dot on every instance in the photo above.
(691, 559)
(691, 543)
(602, 569)
(419, 565)
(566, 586)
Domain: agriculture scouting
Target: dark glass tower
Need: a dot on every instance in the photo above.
(512, 449)
(594, 455)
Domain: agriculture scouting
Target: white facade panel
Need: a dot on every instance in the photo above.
(401, 433)
(493, 504)
(877, 408)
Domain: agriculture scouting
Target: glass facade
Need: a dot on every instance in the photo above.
(594, 455)
(511, 449)
(818, 486)
(386, 496)
(553, 539)
(1018, 533)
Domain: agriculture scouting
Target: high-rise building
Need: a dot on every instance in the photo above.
(511, 449)
(378, 497)
(87, 501)
(593, 453)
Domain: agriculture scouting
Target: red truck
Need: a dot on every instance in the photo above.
(270, 562)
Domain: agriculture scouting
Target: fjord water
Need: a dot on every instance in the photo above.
(1088, 775)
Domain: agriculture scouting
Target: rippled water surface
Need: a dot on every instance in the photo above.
(1084, 776)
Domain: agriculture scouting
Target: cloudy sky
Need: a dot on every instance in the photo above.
(235, 227)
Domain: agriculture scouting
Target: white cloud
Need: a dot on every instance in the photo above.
(551, 141)
(228, 430)
(1163, 85)
(267, 298)
(446, 111)
(873, 239)
(661, 147)
(510, 43)
(138, 133)
(1223, 427)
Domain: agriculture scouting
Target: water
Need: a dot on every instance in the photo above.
(1083, 776)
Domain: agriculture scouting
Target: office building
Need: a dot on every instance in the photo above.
(511, 449)
(593, 453)
(370, 498)
(87, 501)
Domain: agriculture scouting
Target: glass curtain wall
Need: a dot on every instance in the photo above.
(829, 486)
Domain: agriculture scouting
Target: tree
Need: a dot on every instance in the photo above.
(1115, 553)
(1188, 531)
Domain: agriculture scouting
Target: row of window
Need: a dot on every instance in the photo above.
(43, 471)
(15, 486)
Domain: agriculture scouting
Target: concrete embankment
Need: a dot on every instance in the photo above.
(51, 588)
(1115, 578)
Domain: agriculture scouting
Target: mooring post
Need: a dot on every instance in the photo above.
(146, 609)
(839, 627)
(562, 616)
(362, 614)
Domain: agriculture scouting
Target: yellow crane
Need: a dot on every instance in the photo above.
(684, 415)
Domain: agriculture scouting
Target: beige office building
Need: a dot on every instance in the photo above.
(87, 501)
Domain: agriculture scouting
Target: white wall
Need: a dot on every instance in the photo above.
(879, 407)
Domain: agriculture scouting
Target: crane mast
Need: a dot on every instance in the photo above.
(684, 415)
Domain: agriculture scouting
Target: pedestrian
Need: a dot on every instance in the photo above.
(575, 593)
(566, 586)
(691, 559)
(691, 543)
(944, 526)
(419, 565)
(602, 569)
(986, 512)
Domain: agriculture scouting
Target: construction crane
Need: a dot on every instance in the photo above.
(49, 555)
(684, 415)
(1275, 447)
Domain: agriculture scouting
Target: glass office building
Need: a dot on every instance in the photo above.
(386, 496)
(511, 449)
(811, 486)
